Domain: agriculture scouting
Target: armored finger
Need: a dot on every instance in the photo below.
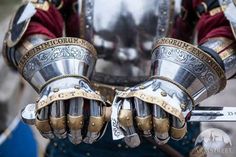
(75, 120)
(96, 121)
(161, 125)
(58, 119)
(126, 121)
(42, 123)
(178, 128)
(143, 118)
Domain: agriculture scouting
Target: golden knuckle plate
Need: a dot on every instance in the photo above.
(43, 125)
(58, 123)
(75, 122)
(126, 118)
(161, 125)
(178, 133)
(95, 123)
(144, 123)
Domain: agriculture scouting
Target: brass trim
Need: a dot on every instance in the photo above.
(43, 125)
(52, 43)
(161, 125)
(68, 95)
(125, 118)
(216, 11)
(178, 133)
(171, 18)
(58, 123)
(196, 52)
(108, 91)
(43, 6)
(75, 122)
(95, 123)
(156, 100)
(144, 123)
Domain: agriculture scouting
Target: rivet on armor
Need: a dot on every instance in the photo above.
(87, 154)
(93, 124)
(77, 87)
(55, 90)
(126, 146)
(119, 145)
(163, 93)
(154, 147)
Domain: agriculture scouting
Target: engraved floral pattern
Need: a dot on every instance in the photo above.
(188, 61)
(51, 55)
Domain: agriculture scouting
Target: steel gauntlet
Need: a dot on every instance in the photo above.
(59, 70)
(182, 76)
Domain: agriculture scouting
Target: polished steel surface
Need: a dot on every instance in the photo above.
(187, 70)
(124, 37)
(226, 50)
(76, 110)
(95, 111)
(58, 61)
(132, 139)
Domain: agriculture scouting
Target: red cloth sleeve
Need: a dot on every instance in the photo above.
(49, 23)
(207, 26)
(212, 26)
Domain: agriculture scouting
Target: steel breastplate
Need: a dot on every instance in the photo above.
(123, 32)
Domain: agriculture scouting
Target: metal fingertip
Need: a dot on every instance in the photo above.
(91, 137)
(132, 140)
(60, 134)
(161, 139)
(75, 137)
(48, 135)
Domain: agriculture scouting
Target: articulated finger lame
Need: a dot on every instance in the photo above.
(58, 119)
(143, 118)
(75, 120)
(178, 128)
(42, 123)
(161, 125)
(96, 122)
(42, 120)
(126, 120)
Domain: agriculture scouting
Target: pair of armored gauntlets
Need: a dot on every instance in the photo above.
(60, 69)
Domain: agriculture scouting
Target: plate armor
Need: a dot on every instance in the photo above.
(127, 61)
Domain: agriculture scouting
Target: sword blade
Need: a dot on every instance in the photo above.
(213, 114)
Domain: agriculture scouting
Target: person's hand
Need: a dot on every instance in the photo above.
(152, 109)
(70, 107)
(59, 70)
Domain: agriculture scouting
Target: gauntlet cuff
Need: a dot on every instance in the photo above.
(188, 67)
(56, 59)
